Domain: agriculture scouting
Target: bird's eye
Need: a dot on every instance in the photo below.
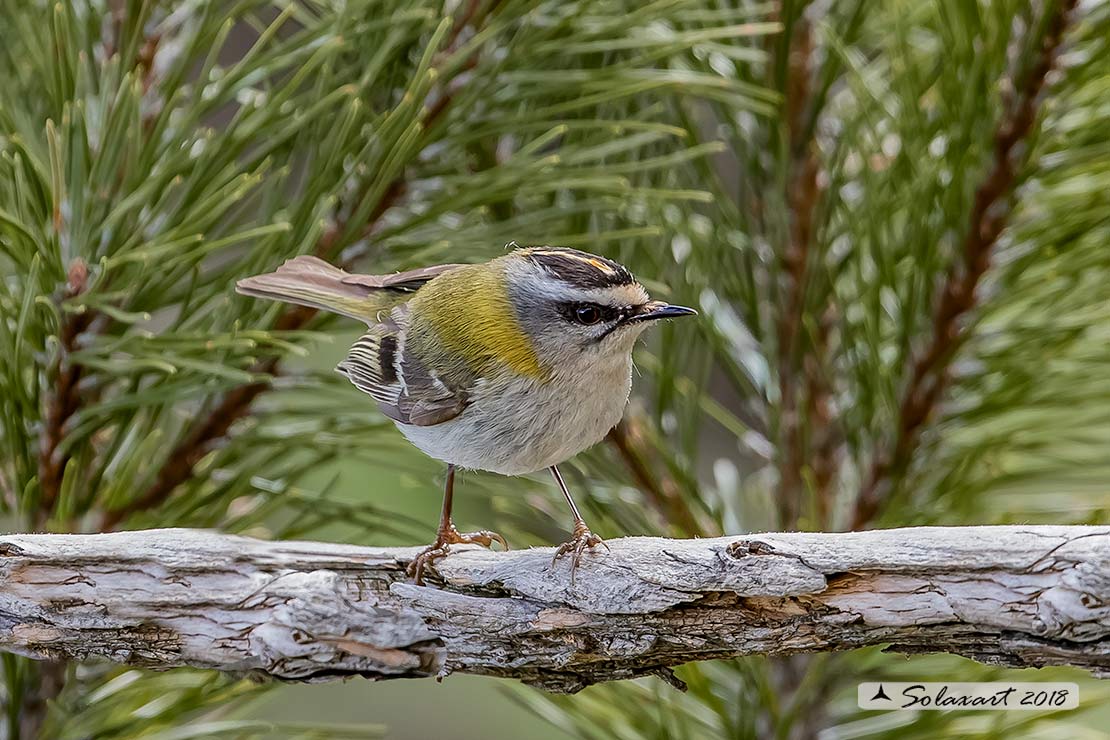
(587, 314)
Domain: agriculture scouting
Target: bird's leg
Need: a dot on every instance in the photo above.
(581, 537)
(447, 535)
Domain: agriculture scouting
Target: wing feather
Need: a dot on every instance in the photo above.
(403, 387)
(310, 281)
(407, 281)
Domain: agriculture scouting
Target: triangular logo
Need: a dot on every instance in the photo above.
(880, 694)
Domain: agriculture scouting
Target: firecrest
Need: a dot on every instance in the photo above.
(509, 366)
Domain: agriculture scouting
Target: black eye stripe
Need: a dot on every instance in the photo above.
(605, 314)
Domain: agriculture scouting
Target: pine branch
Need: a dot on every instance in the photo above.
(236, 404)
(40, 688)
(64, 399)
(990, 215)
(197, 443)
(798, 366)
(825, 448)
(660, 491)
(303, 611)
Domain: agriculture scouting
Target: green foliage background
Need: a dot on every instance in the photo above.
(893, 216)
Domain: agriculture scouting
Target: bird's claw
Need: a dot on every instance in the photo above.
(442, 547)
(581, 539)
(482, 537)
(424, 558)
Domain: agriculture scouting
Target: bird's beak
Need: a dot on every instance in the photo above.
(659, 310)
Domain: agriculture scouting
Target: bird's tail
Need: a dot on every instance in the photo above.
(309, 281)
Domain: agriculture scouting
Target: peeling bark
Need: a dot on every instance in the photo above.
(307, 611)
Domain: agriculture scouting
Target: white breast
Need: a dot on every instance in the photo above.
(516, 425)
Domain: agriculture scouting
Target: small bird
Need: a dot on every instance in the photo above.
(509, 366)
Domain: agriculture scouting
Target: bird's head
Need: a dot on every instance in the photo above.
(574, 305)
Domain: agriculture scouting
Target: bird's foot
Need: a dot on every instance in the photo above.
(442, 547)
(580, 540)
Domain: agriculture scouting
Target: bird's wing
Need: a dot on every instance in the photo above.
(310, 281)
(405, 389)
(407, 281)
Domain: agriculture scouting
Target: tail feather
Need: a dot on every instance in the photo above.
(310, 281)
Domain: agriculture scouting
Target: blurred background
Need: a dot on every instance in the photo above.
(893, 217)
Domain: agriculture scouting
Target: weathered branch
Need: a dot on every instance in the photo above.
(303, 611)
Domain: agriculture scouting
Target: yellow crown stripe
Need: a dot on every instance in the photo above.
(591, 261)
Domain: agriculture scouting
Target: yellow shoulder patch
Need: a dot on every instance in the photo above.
(468, 310)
